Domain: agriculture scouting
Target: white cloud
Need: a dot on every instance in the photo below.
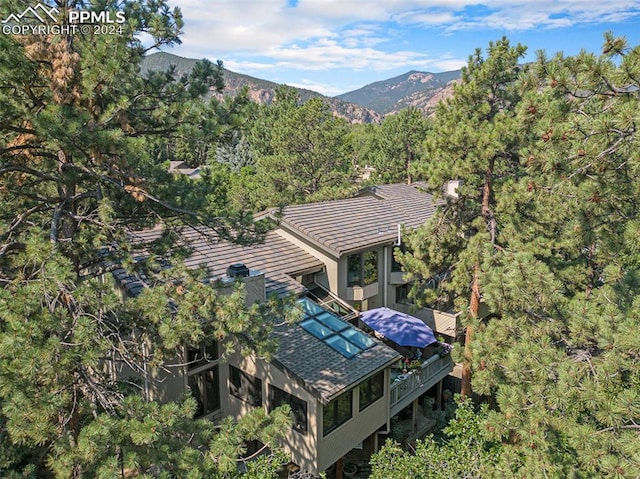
(254, 36)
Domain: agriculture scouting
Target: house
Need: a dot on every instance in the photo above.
(344, 385)
(355, 239)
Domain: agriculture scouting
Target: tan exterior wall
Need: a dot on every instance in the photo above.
(331, 263)
(310, 451)
(301, 447)
(362, 425)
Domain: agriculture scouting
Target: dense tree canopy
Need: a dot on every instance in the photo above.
(399, 145)
(553, 254)
(80, 132)
(474, 139)
(302, 151)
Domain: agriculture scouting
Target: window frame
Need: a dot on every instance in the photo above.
(200, 392)
(395, 266)
(244, 386)
(201, 355)
(363, 268)
(366, 391)
(298, 407)
(332, 410)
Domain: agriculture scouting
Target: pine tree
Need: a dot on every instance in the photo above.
(474, 139)
(557, 353)
(561, 360)
(399, 142)
(79, 133)
(302, 151)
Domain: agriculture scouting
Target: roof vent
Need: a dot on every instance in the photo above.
(237, 270)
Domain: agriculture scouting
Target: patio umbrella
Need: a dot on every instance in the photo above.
(401, 328)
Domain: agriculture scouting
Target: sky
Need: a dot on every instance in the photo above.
(337, 46)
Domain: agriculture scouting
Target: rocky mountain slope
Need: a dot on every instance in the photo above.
(261, 91)
(418, 89)
(368, 104)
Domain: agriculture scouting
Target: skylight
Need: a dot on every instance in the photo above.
(333, 331)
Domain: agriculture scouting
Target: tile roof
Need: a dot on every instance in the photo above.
(276, 257)
(324, 371)
(366, 220)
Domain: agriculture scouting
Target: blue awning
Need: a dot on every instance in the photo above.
(401, 328)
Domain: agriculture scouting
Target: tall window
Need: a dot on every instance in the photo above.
(203, 379)
(395, 266)
(371, 390)
(203, 354)
(337, 412)
(354, 270)
(370, 267)
(205, 388)
(362, 268)
(278, 397)
(245, 386)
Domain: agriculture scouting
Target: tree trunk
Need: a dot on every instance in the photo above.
(474, 310)
(474, 303)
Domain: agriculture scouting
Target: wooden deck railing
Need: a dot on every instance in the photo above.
(418, 381)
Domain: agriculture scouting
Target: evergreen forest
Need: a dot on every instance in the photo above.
(540, 246)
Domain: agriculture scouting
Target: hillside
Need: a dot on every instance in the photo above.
(261, 91)
(368, 104)
(419, 89)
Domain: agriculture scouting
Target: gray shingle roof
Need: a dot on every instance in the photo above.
(324, 371)
(363, 221)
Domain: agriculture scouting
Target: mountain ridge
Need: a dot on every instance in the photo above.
(368, 104)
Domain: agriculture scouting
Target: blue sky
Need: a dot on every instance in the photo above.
(335, 46)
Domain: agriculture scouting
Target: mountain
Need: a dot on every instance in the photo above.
(368, 104)
(261, 91)
(419, 89)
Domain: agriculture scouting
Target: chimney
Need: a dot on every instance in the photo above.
(450, 188)
(254, 284)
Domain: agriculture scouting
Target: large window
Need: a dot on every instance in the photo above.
(395, 266)
(203, 354)
(245, 386)
(278, 397)
(402, 294)
(371, 390)
(337, 412)
(205, 388)
(354, 270)
(362, 268)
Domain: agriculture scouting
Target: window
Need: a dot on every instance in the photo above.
(278, 397)
(201, 355)
(395, 266)
(370, 267)
(337, 412)
(245, 386)
(371, 390)
(333, 331)
(362, 268)
(402, 294)
(354, 270)
(205, 390)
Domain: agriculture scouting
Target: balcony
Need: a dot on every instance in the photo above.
(407, 387)
(360, 293)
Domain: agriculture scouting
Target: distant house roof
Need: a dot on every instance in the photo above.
(324, 371)
(370, 218)
(178, 167)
